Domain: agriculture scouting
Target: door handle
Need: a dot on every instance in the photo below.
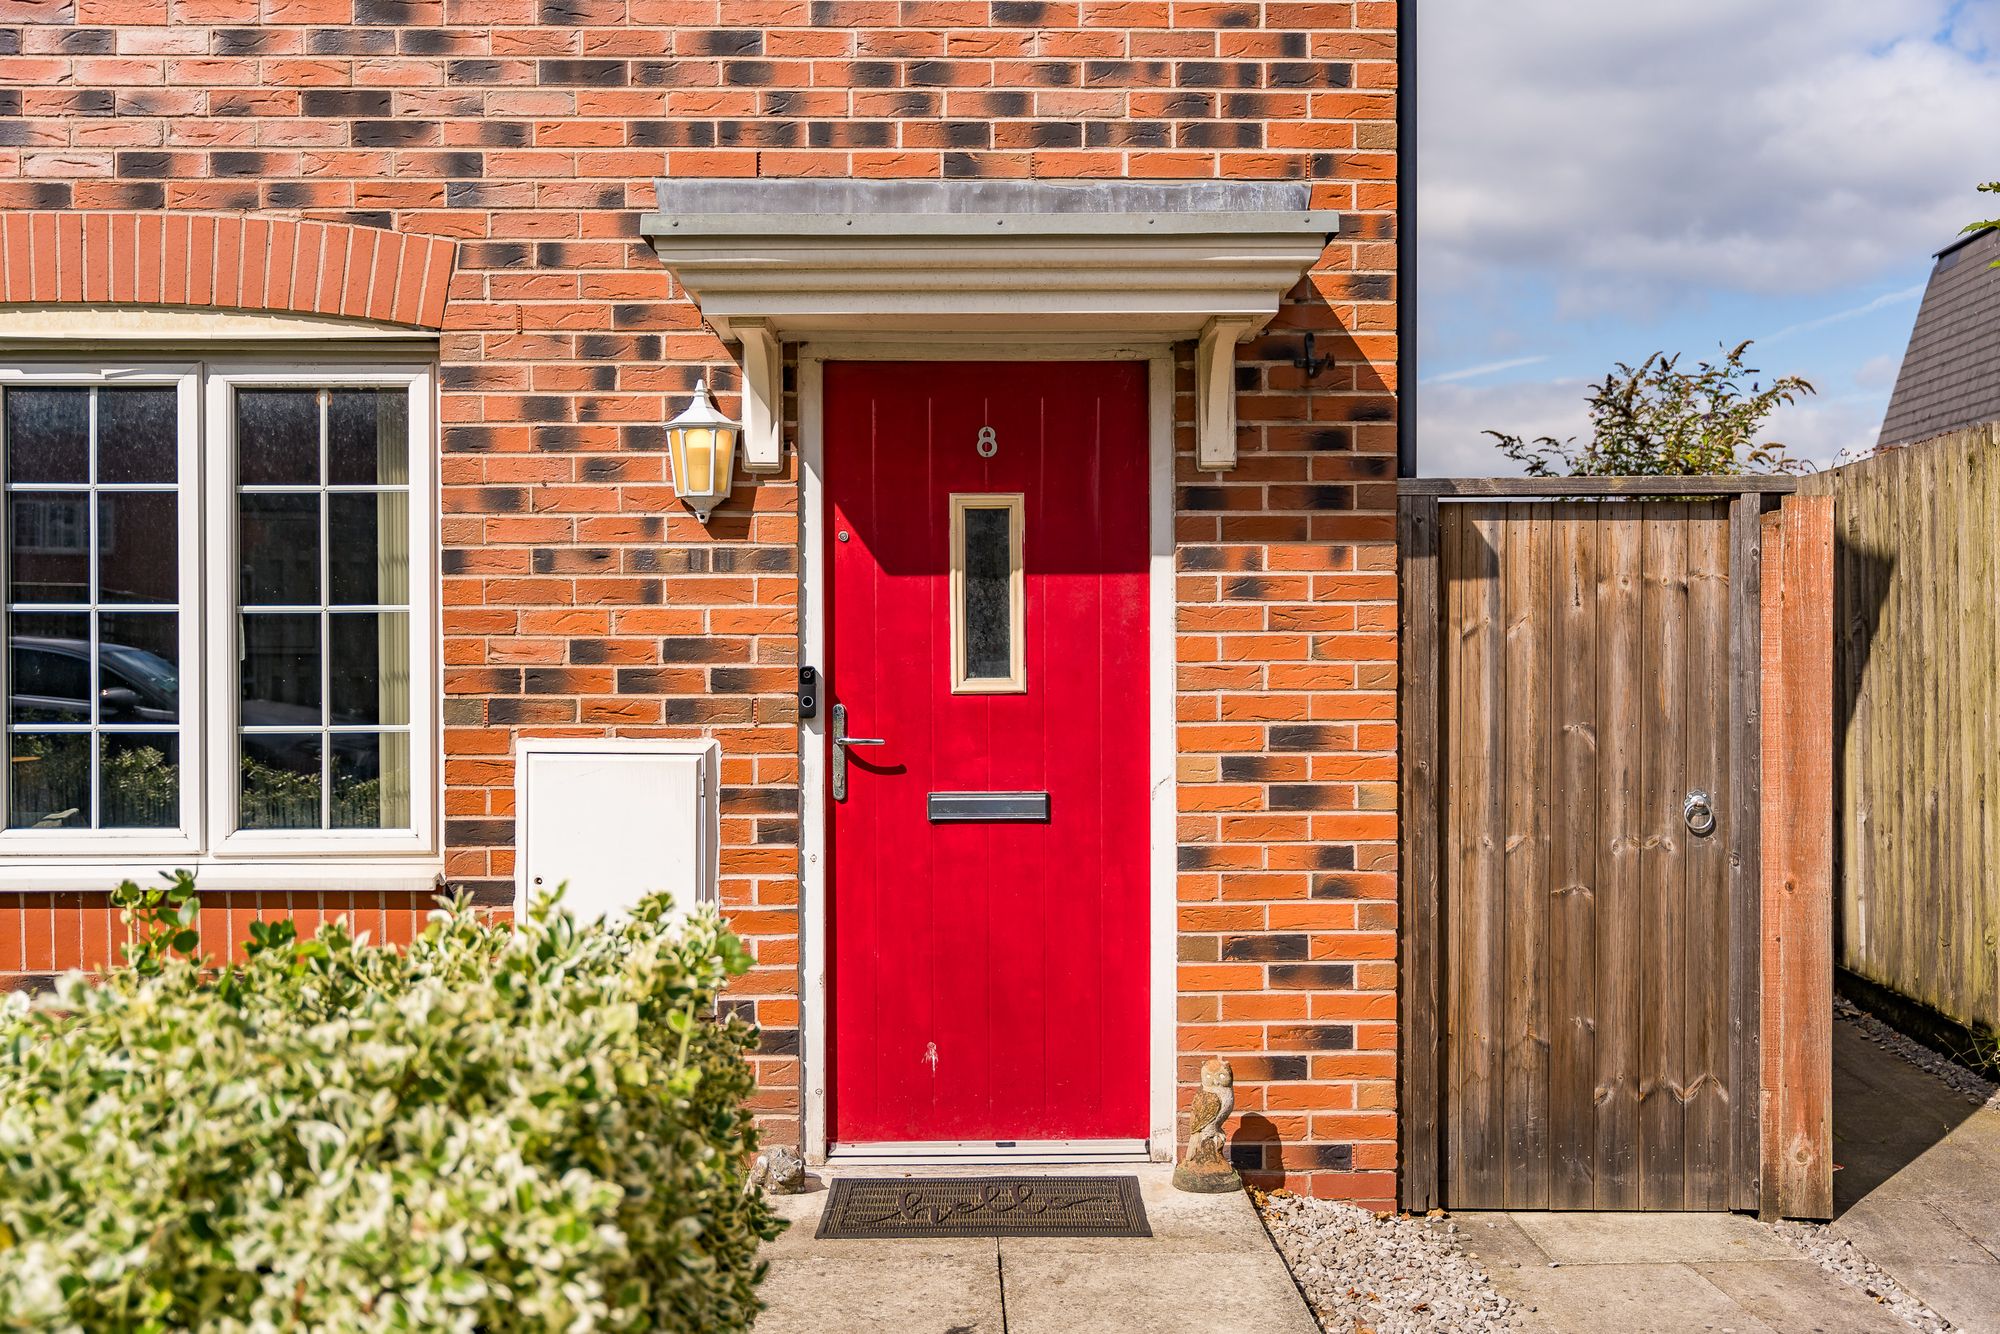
(841, 741)
(1698, 812)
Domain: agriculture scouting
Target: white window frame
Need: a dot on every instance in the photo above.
(184, 839)
(208, 840)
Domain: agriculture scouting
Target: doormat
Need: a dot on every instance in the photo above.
(906, 1207)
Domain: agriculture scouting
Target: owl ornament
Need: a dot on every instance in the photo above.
(1206, 1170)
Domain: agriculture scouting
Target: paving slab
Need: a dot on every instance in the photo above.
(1628, 1298)
(1497, 1241)
(1795, 1295)
(912, 1294)
(1151, 1293)
(1621, 1238)
(1889, 1231)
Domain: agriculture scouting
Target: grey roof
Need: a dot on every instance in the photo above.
(1951, 372)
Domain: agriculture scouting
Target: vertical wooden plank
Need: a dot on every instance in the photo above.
(1933, 937)
(1421, 656)
(1620, 684)
(1904, 751)
(1984, 527)
(1704, 967)
(1975, 598)
(1573, 862)
(1775, 837)
(1742, 830)
(1663, 861)
(1884, 750)
(1451, 856)
(1475, 1178)
(1805, 887)
(1524, 780)
(1855, 583)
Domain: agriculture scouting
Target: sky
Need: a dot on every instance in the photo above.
(1599, 180)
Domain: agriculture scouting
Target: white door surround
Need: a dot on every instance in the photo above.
(815, 902)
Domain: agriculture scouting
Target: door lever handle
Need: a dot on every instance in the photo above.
(841, 741)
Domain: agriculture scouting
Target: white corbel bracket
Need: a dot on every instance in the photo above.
(763, 395)
(1215, 391)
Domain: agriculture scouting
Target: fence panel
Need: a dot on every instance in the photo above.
(1917, 718)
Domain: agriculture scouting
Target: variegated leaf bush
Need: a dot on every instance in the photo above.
(539, 1126)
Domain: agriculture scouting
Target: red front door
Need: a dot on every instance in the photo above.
(987, 541)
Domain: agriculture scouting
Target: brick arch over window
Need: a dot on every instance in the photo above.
(224, 263)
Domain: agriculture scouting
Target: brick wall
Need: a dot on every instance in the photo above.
(579, 597)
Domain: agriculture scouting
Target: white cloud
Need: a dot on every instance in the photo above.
(1638, 154)
(1826, 431)
(1488, 368)
(1455, 417)
(1878, 372)
(1882, 302)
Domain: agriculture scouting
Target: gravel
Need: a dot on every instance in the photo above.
(1836, 1254)
(1365, 1273)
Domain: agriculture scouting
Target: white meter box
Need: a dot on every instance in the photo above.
(616, 819)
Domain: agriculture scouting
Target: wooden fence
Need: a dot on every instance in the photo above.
(1917, 708)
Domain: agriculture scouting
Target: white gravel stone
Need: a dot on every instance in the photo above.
(1364, 1273)
(1837, 1255)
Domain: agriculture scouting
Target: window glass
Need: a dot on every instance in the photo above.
(93, 621)
(988, 590)
(368, 437)
(277, 437)
(323, 514)
(48, 435)
(277, 549)
(136, 435)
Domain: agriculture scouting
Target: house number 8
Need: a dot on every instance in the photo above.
(988, 444)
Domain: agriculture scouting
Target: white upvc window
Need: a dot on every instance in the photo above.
(219, 617)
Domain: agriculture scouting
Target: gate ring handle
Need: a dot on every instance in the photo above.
(1698, 812)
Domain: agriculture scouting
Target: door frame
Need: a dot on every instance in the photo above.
(815, 899)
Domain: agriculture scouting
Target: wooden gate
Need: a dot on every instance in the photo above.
(1582, 839)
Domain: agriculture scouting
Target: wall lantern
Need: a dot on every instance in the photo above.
(703, 444)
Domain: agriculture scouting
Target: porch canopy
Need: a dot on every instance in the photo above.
(772, 260)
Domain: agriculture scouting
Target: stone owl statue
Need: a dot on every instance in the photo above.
(1205, 1170)
(1212, 1105)
(780, 1171)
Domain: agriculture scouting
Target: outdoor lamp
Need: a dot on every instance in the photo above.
(703, 444)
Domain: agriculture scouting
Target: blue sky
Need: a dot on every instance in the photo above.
(1598, 181)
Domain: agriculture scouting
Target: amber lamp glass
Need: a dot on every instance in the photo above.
(703, 444)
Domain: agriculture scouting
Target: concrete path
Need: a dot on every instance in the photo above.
(1662, 1274)
(1918, 1185)
(1208, 1266)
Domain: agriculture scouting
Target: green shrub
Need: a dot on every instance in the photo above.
(500, 1128)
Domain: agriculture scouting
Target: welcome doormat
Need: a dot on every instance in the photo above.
(905, 1207)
